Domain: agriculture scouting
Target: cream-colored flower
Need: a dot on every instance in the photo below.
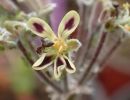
(126, 5)
(123, 20)
(57, 54)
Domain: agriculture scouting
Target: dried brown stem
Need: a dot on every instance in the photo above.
(111, 51)
(106, 57)
(91, 31)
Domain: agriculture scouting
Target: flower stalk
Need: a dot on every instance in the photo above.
(111, 51)
(90, 66)
(65, 81)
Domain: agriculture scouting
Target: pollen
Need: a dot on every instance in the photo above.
(127, 27)
(60, 46)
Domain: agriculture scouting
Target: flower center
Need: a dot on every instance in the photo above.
(60, 46)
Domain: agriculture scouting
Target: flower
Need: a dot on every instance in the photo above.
(123, 20)
(117, 18)
(126, 5)
(58, 53)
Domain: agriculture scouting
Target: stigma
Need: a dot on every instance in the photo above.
(60, 45)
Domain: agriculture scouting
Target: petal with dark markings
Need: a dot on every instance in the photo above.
(41, 28)
(68, 24)
(70, 67)
(59, 65)
(43, 62)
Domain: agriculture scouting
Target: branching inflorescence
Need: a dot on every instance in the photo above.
(56, 53)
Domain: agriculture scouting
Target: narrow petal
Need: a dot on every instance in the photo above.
(68, 24)
(41, 28)
(59, 65)
(73, 44)
(43, 62)
(70, 67)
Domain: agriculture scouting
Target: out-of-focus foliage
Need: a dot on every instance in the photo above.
(23, 79)
(5, 15)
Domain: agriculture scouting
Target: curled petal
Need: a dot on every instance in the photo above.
(68, 24)
(41, 28)
(43, 62)
(73, 44)
(59, 65)
(70, 67)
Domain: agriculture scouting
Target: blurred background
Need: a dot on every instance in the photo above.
(19, 82)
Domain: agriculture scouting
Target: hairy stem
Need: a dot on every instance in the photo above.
(106, 57)
(91, 30)
(92, 62)
(23, 50)
(66, 88)
(82, 37)
(111, 51)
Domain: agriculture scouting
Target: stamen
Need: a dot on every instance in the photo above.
(60, 46)
(60, 49)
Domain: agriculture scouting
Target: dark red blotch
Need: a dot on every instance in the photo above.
(68, 64)
(59, 62)
(46, 60)
(69, 24)
(38, 27)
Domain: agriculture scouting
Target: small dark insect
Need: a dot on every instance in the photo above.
(39, 50)
(47, 43)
